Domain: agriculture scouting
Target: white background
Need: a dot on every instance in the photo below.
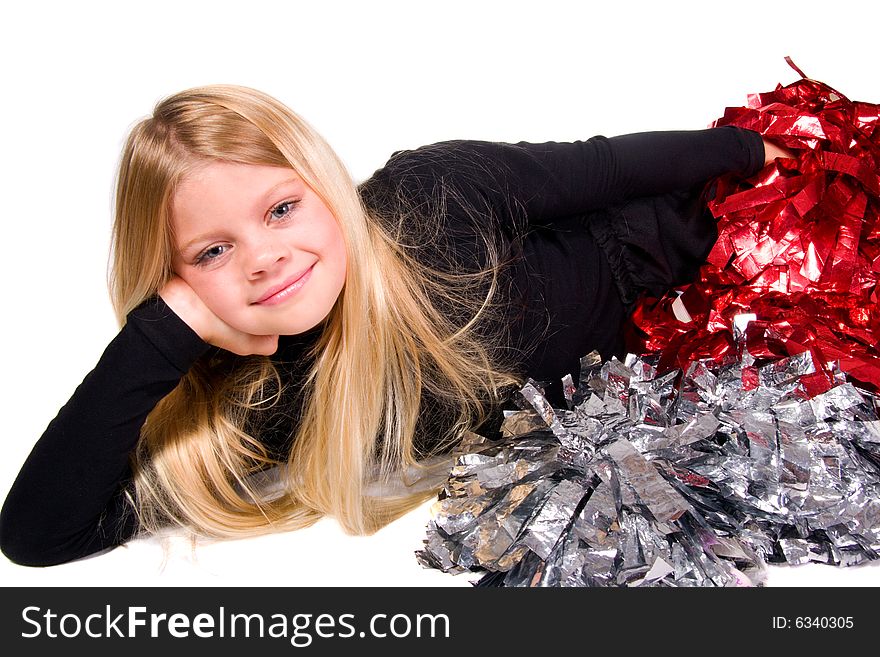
(373, 77)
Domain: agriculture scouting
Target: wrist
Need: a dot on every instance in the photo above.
(773, 152)
(168, 333)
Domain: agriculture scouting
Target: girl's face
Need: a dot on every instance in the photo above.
(258, 246)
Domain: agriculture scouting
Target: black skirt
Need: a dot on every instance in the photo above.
(578, 279)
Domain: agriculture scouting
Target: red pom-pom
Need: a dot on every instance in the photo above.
(798, 245)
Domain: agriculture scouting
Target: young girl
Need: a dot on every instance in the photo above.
(274, 314)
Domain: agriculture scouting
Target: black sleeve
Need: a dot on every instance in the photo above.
(69, 499)
(525, 184)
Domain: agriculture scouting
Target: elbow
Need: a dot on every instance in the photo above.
(23, 545)
(22, 552)
(24, 556)
(30, 540)
(24, 538)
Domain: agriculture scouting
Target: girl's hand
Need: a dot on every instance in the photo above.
(183, 300)
(773, 152)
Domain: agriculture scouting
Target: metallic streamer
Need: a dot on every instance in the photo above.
(705, 497)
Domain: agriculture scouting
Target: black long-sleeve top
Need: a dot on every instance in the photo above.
(585, 226)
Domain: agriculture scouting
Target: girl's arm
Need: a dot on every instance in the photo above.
(69, 499)
(570, 178)
(526, 182)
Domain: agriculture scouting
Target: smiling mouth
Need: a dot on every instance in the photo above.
(280, 293)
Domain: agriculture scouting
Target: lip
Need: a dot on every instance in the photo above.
(280, 293)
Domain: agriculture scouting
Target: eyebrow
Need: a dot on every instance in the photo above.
(262, 201)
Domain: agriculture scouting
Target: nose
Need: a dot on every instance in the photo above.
(266, 253)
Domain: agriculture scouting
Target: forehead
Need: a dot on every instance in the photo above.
(231, 180)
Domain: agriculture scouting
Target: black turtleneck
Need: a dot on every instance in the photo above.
(584, 226)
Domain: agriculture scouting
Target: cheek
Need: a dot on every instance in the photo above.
(337, 246)
(336, 243)
(327, 240)
(337, 257)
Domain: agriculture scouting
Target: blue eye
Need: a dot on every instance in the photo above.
(211, 253)
(283, 210)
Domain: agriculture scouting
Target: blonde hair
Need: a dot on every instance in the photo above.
(386, 341)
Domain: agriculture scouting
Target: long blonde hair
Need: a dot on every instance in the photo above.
(385, 343)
